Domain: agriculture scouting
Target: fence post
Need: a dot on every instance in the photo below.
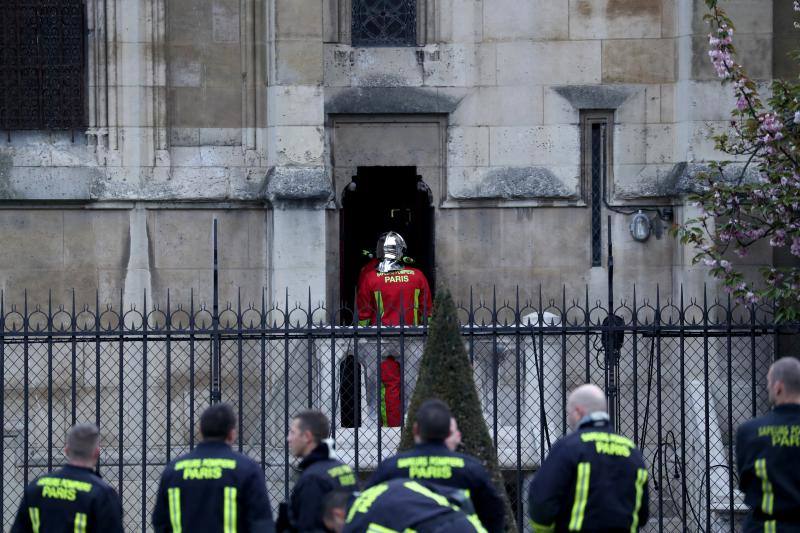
(216, 382)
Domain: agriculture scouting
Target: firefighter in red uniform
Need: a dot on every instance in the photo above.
(394, 294)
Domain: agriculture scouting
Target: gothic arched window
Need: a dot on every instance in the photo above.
(42, 58)
(384, 23)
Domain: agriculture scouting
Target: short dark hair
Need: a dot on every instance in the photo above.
(315, 422)
(336, 499)
(82, 441)
(787, 371)
(217, 421)
(433, 420)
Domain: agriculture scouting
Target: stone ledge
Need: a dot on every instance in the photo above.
(297, 185)
(595, 96)
(389, 100)
(515, 183)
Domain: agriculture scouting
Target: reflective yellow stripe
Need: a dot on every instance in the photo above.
(379, 303)
(438, 498)
(767, 498)
(229, 518)
(377, 528)
(80, 523)
(416, 306)
(384, 416)
(476, 523)
(770, 526)
(33, 512)
(174, 497)
(641, 479)
(364, 322)
(581, 495)
(539, 528)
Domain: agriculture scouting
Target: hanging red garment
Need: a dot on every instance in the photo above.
(391, 411)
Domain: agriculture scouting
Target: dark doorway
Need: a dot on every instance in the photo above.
(380, 199)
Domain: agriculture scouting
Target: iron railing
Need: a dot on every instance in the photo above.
(681, 375)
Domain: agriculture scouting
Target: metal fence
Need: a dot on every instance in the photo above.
(680, 374)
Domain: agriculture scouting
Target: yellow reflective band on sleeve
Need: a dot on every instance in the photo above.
(416, 306)
(364, 322)
(770, 526)
(36, 523)
(767, 498)
(365, 500)
(581, 496)
(80, 523)
(540, 528)
(174, 497)
(229, 514)
(641, 479)
(476, 523)
(377, 528)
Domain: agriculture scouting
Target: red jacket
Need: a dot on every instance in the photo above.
(391, 295)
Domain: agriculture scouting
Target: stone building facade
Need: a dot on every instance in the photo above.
(260, 113)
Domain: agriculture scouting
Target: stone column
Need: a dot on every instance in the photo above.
(298, 186)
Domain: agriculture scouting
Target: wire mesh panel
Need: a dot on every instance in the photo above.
(680, 378)
(384, 23)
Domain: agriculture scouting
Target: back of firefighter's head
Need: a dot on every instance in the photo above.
(783, 381)
(334, 509)
(218, 423)
(583, 401)
(394, 246)
(307, 430)
(83, 445)
(432, 423)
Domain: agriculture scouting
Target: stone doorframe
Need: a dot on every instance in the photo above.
(418, 140)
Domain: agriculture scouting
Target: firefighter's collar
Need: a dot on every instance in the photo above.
(597, 418)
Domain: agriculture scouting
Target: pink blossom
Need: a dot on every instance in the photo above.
(797, 117)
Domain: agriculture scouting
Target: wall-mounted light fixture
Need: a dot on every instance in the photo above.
(640, 227)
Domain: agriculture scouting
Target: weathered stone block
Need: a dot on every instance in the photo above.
(221, 156)
(448, 65)
(500, 106)
(467, 147)
(373, 144)
(299, 62)
(222, 107)
(486, 62)
(553, 62)
(639, 61)
(225, 21)
(461, 21)
(298, 19)
(633, 110)
(539, 145)
(189, 21)
(514, 183)
(96, 239)
(295, 145)
(184, 136)
(614, 19)
(185, 156)
(184, 66)
(295, 106)
(21, 229)
(526, 19)
(386, 67)
(222, 65)
(297, 184)
(558, 109)
(220, 136)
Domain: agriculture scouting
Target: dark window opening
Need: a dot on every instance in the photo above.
(377, 200)
(595, 160)
(384, 23)
(42, 58)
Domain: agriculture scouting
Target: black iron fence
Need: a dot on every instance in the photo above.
(681, 374)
